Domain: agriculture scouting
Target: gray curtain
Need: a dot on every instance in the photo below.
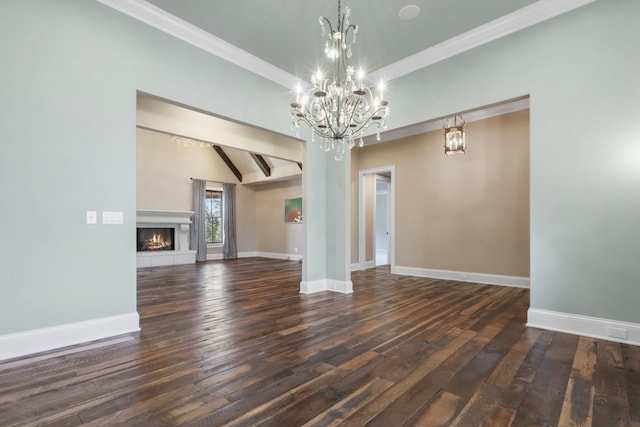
(229, 248)
(198, 240)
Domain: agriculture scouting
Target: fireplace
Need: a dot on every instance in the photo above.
(156, 239)
(172, 227)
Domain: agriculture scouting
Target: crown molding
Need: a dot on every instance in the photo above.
(508, 24)
(498, 28)
(481, 113)
(172, 25)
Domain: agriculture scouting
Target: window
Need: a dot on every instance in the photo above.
(213, 207)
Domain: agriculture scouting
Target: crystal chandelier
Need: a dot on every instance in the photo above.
(339, 107)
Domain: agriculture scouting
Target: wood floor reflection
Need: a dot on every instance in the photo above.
(234, 343)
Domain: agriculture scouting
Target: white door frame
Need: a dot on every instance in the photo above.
(391, 169)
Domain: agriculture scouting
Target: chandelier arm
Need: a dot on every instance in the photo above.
(351, 117)
(337, 131)
(329, 24)
(325, 118)
(350, 27)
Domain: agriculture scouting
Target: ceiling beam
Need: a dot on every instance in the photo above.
(228, 162)
(262, 164)
(281, 173)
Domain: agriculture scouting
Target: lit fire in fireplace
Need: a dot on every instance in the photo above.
(155, 239)
(156, 242)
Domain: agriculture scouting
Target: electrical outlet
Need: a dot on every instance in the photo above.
(617, 333)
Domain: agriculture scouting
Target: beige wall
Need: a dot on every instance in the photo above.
(163, 181)
(465, 213)
(273, 235)
(369, 217)
(164, 172)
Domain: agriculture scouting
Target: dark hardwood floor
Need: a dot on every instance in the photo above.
(234, 343)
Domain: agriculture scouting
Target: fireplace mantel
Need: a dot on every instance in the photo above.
(181, 222)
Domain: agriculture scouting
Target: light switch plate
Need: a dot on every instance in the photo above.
(92, 217)
(112, 218)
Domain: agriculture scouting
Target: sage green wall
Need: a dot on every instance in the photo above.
(338, 219)
(581, 70)
(314, 193)
(68, 81)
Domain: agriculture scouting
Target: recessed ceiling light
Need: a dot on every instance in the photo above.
(408, 12)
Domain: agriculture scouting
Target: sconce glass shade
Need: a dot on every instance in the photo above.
(454, 136)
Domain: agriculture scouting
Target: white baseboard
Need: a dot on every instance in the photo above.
(313, 286)
(37, 340)
(248, 254)
(190, 258)
(273, 255)
(595, 327)
(341, 286)
(357, 266)
(461, 276)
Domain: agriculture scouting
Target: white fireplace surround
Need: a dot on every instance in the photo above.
(180, 221)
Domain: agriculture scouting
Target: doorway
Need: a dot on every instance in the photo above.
(381, 239)
(376, 217)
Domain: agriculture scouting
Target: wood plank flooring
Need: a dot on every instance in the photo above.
(234, 343)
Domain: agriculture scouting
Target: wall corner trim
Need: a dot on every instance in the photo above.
(356, 266)
(37, 340)
(462, 276)
(594, 327)
(314, 286)
(340, 286)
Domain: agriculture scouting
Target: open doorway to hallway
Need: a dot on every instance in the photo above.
(376, 217)
(381, 221)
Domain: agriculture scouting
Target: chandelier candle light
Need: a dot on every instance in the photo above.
(341, 107)
(454, 135)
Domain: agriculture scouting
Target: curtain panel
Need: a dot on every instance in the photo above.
(197, 239)
(229, 247)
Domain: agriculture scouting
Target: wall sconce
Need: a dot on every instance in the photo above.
(454, 135)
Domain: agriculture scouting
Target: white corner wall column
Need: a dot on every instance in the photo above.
(180, 221)
(326, 188)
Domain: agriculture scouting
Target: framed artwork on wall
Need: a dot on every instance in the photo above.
(293, 211)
